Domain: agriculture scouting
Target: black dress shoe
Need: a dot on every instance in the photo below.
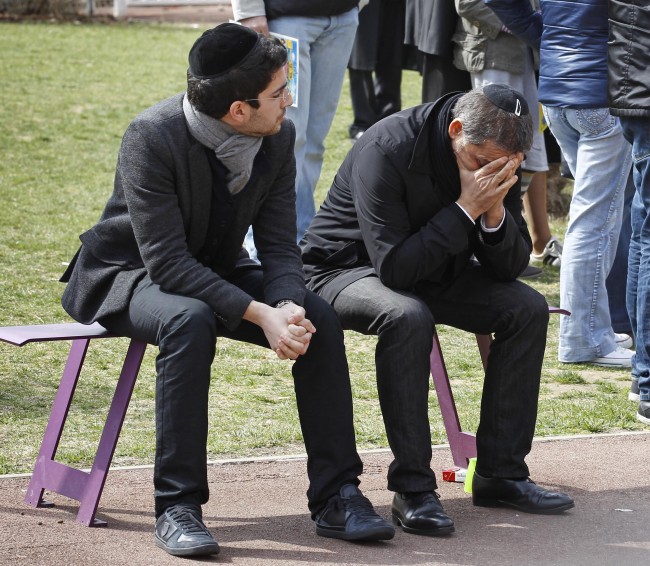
(523, 495)
(350, 516)
(421, 514)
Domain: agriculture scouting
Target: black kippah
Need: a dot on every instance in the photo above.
(221, 49)
(506, 98)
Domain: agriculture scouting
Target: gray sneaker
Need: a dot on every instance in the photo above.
(643, 414)
(180, 531)
(634, 395)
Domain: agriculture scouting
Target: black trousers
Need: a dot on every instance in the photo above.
(405, 324)
(378, 47)
(440, 77)
(185, 331)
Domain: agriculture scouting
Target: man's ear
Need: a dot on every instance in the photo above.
(455, 128)
(237, 114)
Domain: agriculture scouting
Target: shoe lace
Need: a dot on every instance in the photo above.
(187, 521)
(360, 506)
(429, 496)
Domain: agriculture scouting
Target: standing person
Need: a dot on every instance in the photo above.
(573, 91)
(429, 27)
(165, 265)
(378, 49)
(325, 31)
(629, 95)
(417, 197)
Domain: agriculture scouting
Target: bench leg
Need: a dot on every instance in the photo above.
(85, 487)
(462, 444)
(110, 435)
(42, 477)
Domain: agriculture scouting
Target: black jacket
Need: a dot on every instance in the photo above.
(629, 57)
(277, 8)
(391, 211)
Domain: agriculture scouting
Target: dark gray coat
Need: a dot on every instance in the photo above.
(430, 25)
(157, 218)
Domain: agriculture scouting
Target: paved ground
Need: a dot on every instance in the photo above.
(257, 512)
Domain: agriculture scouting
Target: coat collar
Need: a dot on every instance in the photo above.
(421, 158)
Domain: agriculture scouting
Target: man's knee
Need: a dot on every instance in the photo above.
(410, 318)
(322, 314)
(529, 306)
(194, 319)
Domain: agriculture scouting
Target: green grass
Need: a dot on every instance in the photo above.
(68, 93)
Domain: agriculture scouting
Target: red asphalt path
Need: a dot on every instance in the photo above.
(257, 512)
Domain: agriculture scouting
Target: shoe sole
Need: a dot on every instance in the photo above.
(442, 531)
(380, 533)
(642, 418)
(481, 502)
(544, 262)
(203, 550)
(613, 364)
(634, 397)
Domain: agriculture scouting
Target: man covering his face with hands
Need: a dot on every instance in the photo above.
(422, 225)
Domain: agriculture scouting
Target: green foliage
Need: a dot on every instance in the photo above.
(68, 93)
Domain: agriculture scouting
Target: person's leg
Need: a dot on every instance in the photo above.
(185, 331)
(593, 145)
(638, 131)
(323, 393)
(405, 329)
(388, 70)
(517, 315)
(362, 96)
(325, 44)
(535, 209)
(440, 77)
(617, 279)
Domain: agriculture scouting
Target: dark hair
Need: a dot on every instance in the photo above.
(482, 120)
(214, 96)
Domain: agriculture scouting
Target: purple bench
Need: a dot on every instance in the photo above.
(85, 487)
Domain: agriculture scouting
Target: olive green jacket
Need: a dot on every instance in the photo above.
(480, 42)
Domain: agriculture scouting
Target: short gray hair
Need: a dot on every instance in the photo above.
(482, 121)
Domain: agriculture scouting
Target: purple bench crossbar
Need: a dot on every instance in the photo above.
(462, 444)
(85, 487)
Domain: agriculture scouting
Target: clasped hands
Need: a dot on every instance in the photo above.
(482, 191)
(287, 329)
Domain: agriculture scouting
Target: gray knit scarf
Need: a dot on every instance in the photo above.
(236, 151)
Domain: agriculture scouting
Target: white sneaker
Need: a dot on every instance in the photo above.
(552, 254)
(623, 340)
(619, 358)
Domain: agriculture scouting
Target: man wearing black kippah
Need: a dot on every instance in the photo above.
(422, 225)
(165, 265)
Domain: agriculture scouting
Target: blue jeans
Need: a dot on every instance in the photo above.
(325, 44)
(637, 131)
(599, 158)
(617, 278)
